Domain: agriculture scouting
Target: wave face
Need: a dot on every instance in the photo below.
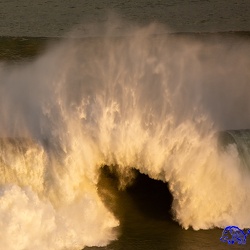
(153, 103)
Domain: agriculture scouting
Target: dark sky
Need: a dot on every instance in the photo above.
(56, 17)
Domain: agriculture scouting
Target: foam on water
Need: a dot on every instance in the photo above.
(145, 102)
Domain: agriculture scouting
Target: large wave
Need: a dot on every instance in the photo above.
(144, 101)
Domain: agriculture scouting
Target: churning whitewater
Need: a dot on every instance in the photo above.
(154, 103)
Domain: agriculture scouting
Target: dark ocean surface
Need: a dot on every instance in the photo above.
(54, 18)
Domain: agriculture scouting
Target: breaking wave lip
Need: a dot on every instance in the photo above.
(150, 103)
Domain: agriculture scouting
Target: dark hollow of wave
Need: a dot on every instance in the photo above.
(150, 197)
(146, 222)
(143, 207)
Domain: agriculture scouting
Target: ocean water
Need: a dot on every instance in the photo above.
(112, 142)
(109, 136)
(53, 18)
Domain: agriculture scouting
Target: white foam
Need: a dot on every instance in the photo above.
(149, 103)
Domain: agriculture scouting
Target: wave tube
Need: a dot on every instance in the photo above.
(142, 101)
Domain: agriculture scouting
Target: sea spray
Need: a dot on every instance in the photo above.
(154, 103)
